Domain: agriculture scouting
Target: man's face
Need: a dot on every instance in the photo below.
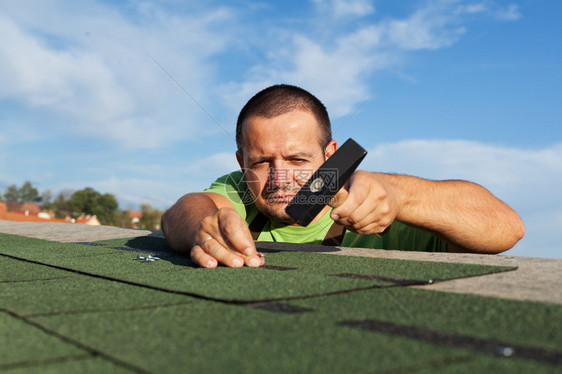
(279, 156)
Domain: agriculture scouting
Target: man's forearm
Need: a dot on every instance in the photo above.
(181, 221)
(465, 214)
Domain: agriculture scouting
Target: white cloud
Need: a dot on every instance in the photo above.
(340, 76)
(337, 74)
(347, 8)
(528, 180)
(90, 71)
(337, 66)
(471, 8)
(40, 76)
(213, 166)
(509, 13)
(434, 26)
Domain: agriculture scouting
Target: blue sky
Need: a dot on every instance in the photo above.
(91, 96)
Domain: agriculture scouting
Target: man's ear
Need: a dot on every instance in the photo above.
(240, 159)
(330, 149)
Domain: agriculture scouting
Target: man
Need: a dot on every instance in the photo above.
(283, 134)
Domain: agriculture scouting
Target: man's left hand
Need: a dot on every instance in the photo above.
(366, 205)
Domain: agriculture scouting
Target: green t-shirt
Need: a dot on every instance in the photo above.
(400, 236)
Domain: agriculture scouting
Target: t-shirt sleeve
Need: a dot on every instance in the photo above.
(233, 187)
(401, 237)
(407, 238)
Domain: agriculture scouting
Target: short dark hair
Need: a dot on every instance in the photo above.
(280, 99)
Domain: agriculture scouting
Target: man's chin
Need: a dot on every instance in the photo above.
(278, 214)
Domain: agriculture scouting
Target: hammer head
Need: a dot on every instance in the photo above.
(325, 183)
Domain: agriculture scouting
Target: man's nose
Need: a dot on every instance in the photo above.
(279, 175)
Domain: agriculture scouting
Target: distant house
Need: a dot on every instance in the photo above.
(30, 208)
(135, 216)
(29, 212)
(87, 220)
(25, 212)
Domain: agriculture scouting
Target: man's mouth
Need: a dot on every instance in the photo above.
(280, 198)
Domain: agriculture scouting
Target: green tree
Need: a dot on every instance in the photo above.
(28, 193)
(150, 218)
(121, 219)
(84, 201)
(25, 194)
(90, 201)
(106, 208)
(12, 194)
(61, 205)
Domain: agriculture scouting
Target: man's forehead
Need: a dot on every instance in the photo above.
(257, 154)
(295, 120)
(283, 113)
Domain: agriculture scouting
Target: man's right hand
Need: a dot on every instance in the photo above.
(224, 237)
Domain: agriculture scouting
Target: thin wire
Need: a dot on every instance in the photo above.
(402, 307)
(376, 91)
(188, 94)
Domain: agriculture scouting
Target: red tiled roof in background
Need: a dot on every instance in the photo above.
(134, 214)
(13, 206)
(88, 220)
(22, 217)
(32, 213)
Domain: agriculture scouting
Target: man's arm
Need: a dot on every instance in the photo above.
(206, 226)
(465, 214)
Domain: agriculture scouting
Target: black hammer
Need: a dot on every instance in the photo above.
(325, 183)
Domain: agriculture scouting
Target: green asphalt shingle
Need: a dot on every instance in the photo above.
(304, 274)
(80, 294)
(69, 307)
(19, 271)
(23, 342)
(209, 337)
(69, 365)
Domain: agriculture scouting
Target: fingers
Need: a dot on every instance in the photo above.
(339, 198)
(365, 218)
(210, 253)
(201, 258)
(224, 238)
(366, 207)
(373, 228)
(235, 233)
(346, 205)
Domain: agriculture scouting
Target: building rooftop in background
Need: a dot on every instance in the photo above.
(30, 212)
(135, 216)
(88, 219)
